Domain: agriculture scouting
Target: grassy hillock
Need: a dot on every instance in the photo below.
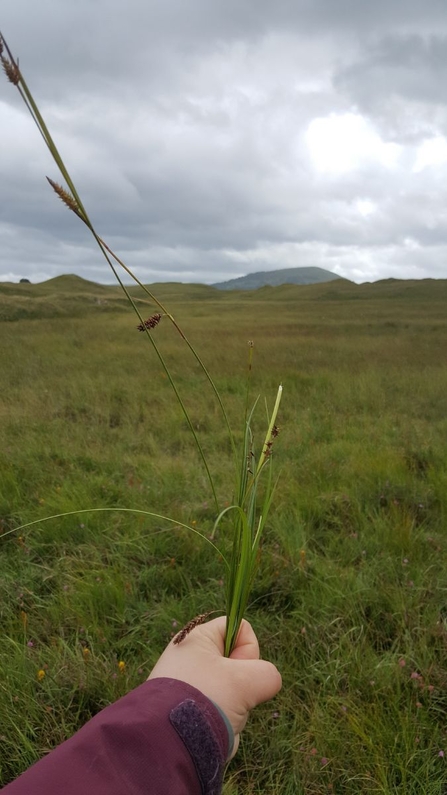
(350, 598)
(62, 296)
(66, 296)
(175, 291)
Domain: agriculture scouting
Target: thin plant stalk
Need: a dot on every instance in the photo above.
(138, 511)
(248, 521)
(76, 205)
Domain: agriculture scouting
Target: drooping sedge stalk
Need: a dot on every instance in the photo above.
(138, 511)
(75, 204)
(249, 521)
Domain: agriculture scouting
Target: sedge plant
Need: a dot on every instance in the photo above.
(254, 484)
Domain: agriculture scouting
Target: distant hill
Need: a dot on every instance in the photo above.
(67, 283)
(70, 296)
(275, 278)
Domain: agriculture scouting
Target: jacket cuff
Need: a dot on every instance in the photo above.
(205, 732)
(229, 729)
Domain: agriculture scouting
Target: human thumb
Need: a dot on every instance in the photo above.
(259, 681)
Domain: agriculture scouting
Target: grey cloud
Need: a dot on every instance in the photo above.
(184, 127)
(401, 81)
(412, 67)
(104, 41)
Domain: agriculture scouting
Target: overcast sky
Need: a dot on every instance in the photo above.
(213, 138)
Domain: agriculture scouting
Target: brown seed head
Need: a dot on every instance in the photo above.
(267, 451)
(151, 322)
(195, 622)
(11, 71)
(66, 197)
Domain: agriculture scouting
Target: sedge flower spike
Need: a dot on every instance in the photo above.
(11, 71)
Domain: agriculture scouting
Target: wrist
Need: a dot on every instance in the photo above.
(229, 729)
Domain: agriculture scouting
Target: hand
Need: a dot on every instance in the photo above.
(236, 684)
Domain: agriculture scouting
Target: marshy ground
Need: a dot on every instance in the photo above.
(350, 600)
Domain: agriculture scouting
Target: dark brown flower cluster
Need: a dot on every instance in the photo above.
(195, 622)
(269, 444)
(151, 322)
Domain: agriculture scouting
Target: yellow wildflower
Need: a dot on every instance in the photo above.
(122, 666)
(40, 675)
(86, 653)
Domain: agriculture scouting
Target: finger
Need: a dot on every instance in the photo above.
(247, 646)
(215, 631)
(235, 746)
(260, 679)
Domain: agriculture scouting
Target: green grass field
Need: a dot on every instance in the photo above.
(350, 600)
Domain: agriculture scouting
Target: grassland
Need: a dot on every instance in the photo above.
(351, 596)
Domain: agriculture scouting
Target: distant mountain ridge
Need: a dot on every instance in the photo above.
(275, 278)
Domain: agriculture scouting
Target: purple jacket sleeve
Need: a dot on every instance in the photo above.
(164, 738)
